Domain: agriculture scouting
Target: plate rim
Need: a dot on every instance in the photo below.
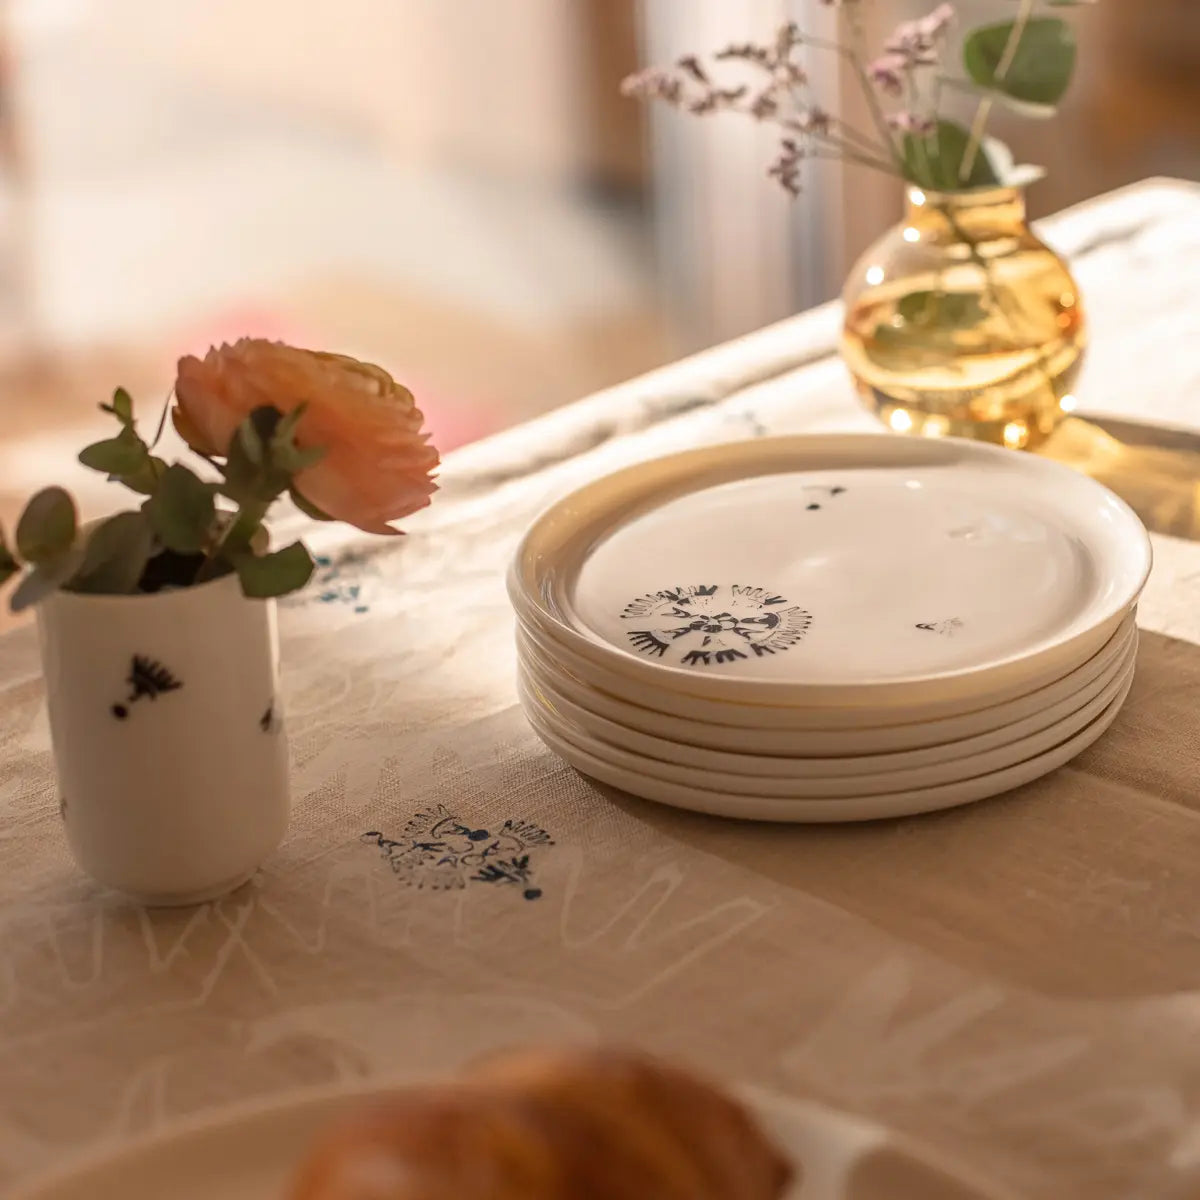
(741, 714)
(529, 605)
(528, 648)
(803, 765)
(842, 787)
(842, 809)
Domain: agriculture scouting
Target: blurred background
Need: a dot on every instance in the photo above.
(452, 188)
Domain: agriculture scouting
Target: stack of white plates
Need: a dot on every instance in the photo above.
(830, 628)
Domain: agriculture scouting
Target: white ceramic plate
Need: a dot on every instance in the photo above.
(835, 570)
(763, 729)
(250, 1153)
(817, 715)
(629, 731)
(746, 807)
(773, 775)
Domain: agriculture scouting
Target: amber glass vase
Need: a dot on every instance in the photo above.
(960, 322)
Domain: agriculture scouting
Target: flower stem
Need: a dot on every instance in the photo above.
(875, 164)
(984, 111)
(994, 293)
(238, 535)
(856, 57)
(975, 141)
(919, 139)
(860, 141)
(850, 153)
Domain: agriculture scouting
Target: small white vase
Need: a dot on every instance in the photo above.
(168, 737)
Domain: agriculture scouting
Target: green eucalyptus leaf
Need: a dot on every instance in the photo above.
(122, 455)
(115, 556)
(935, 161)
(121, 408)
(47, 526)
(241, 472)
(306, 506)
(182, 510)
(285, 430)
(284, 453)
(941, 310)
(1039, 72)
(46, 578)
(267, 575)
(126, 459)
(250, 444)
(1022, 108)
(122, 404)
(294, 459)
(146, 478)
(251, 475)
(254, 436)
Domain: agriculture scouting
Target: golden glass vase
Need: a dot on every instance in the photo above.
(960, 322)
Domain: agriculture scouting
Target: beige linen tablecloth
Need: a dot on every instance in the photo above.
(1016, 984)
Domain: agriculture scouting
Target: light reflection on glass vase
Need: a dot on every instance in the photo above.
(960, 322)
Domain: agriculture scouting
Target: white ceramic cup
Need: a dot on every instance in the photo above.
(168, 737)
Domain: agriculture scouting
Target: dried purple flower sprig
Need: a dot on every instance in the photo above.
(902, 87)
(913, 44)
(781, 95)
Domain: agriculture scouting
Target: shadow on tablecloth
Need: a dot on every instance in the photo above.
(1155, 470)
(1082, 884)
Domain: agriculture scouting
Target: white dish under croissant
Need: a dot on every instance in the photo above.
(251, 1152)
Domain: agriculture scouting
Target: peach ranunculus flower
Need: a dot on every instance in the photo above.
(377, 463)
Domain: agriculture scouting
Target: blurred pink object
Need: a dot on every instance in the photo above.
(237, 323)
(451, 422)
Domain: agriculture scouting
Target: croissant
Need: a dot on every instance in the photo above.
(551, 1125)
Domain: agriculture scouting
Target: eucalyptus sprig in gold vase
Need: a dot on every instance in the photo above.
(960, 320)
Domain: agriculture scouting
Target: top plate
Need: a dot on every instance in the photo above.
(807, 569)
